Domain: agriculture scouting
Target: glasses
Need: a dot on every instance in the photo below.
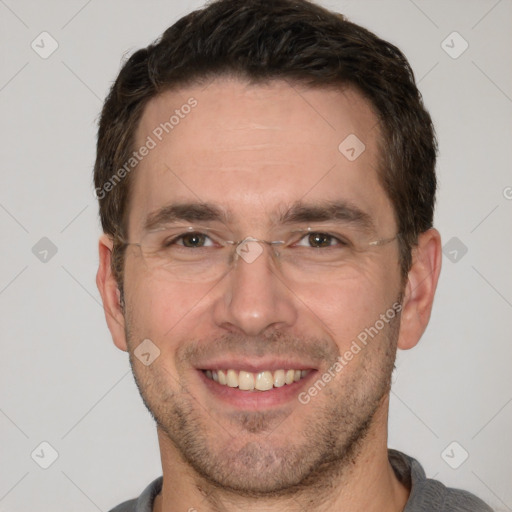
(198, 253)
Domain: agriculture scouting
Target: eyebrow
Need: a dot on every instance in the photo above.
(298, 212)
(189, 212)
(327, 211)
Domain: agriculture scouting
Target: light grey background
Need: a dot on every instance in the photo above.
(63, 381)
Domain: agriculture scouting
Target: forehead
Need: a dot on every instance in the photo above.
(253, 149)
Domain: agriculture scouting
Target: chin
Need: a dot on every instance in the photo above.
(257, 469)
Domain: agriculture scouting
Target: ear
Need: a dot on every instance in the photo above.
(420, 288)
(110, 294)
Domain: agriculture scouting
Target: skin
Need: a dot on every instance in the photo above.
(254, 150)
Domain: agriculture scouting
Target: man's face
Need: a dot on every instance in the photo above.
(264, 157)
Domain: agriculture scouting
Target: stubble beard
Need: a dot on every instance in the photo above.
(257, 462)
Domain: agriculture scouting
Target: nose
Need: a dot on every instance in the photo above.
(255, 298)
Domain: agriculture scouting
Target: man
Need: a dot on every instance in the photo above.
(266, 181)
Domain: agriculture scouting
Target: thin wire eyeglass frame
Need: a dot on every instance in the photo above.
(236, 244)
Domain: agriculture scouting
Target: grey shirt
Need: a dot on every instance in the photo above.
(426, 495)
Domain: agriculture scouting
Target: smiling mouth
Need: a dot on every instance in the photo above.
(251, 381)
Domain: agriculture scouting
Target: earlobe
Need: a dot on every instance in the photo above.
(420, 288)
(110, 294)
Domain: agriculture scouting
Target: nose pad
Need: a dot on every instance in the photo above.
(249, 249)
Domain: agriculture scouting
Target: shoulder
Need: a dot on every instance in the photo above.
(432, 493)
(126, 506)
(144, 503)
(458, 500)
(429, 495)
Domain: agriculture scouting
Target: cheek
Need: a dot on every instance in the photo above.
(160, 309)
(347, 307)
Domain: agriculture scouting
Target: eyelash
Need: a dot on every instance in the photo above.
(340, 241)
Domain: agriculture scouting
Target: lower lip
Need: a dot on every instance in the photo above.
(255, 400)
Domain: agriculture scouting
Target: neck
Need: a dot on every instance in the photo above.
(366, 482)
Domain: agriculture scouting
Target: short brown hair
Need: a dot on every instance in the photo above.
(260, 41)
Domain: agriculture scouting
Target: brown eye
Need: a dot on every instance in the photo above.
(193, 240)
(320, 240)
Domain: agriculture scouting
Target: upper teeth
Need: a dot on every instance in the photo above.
(261, 381)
